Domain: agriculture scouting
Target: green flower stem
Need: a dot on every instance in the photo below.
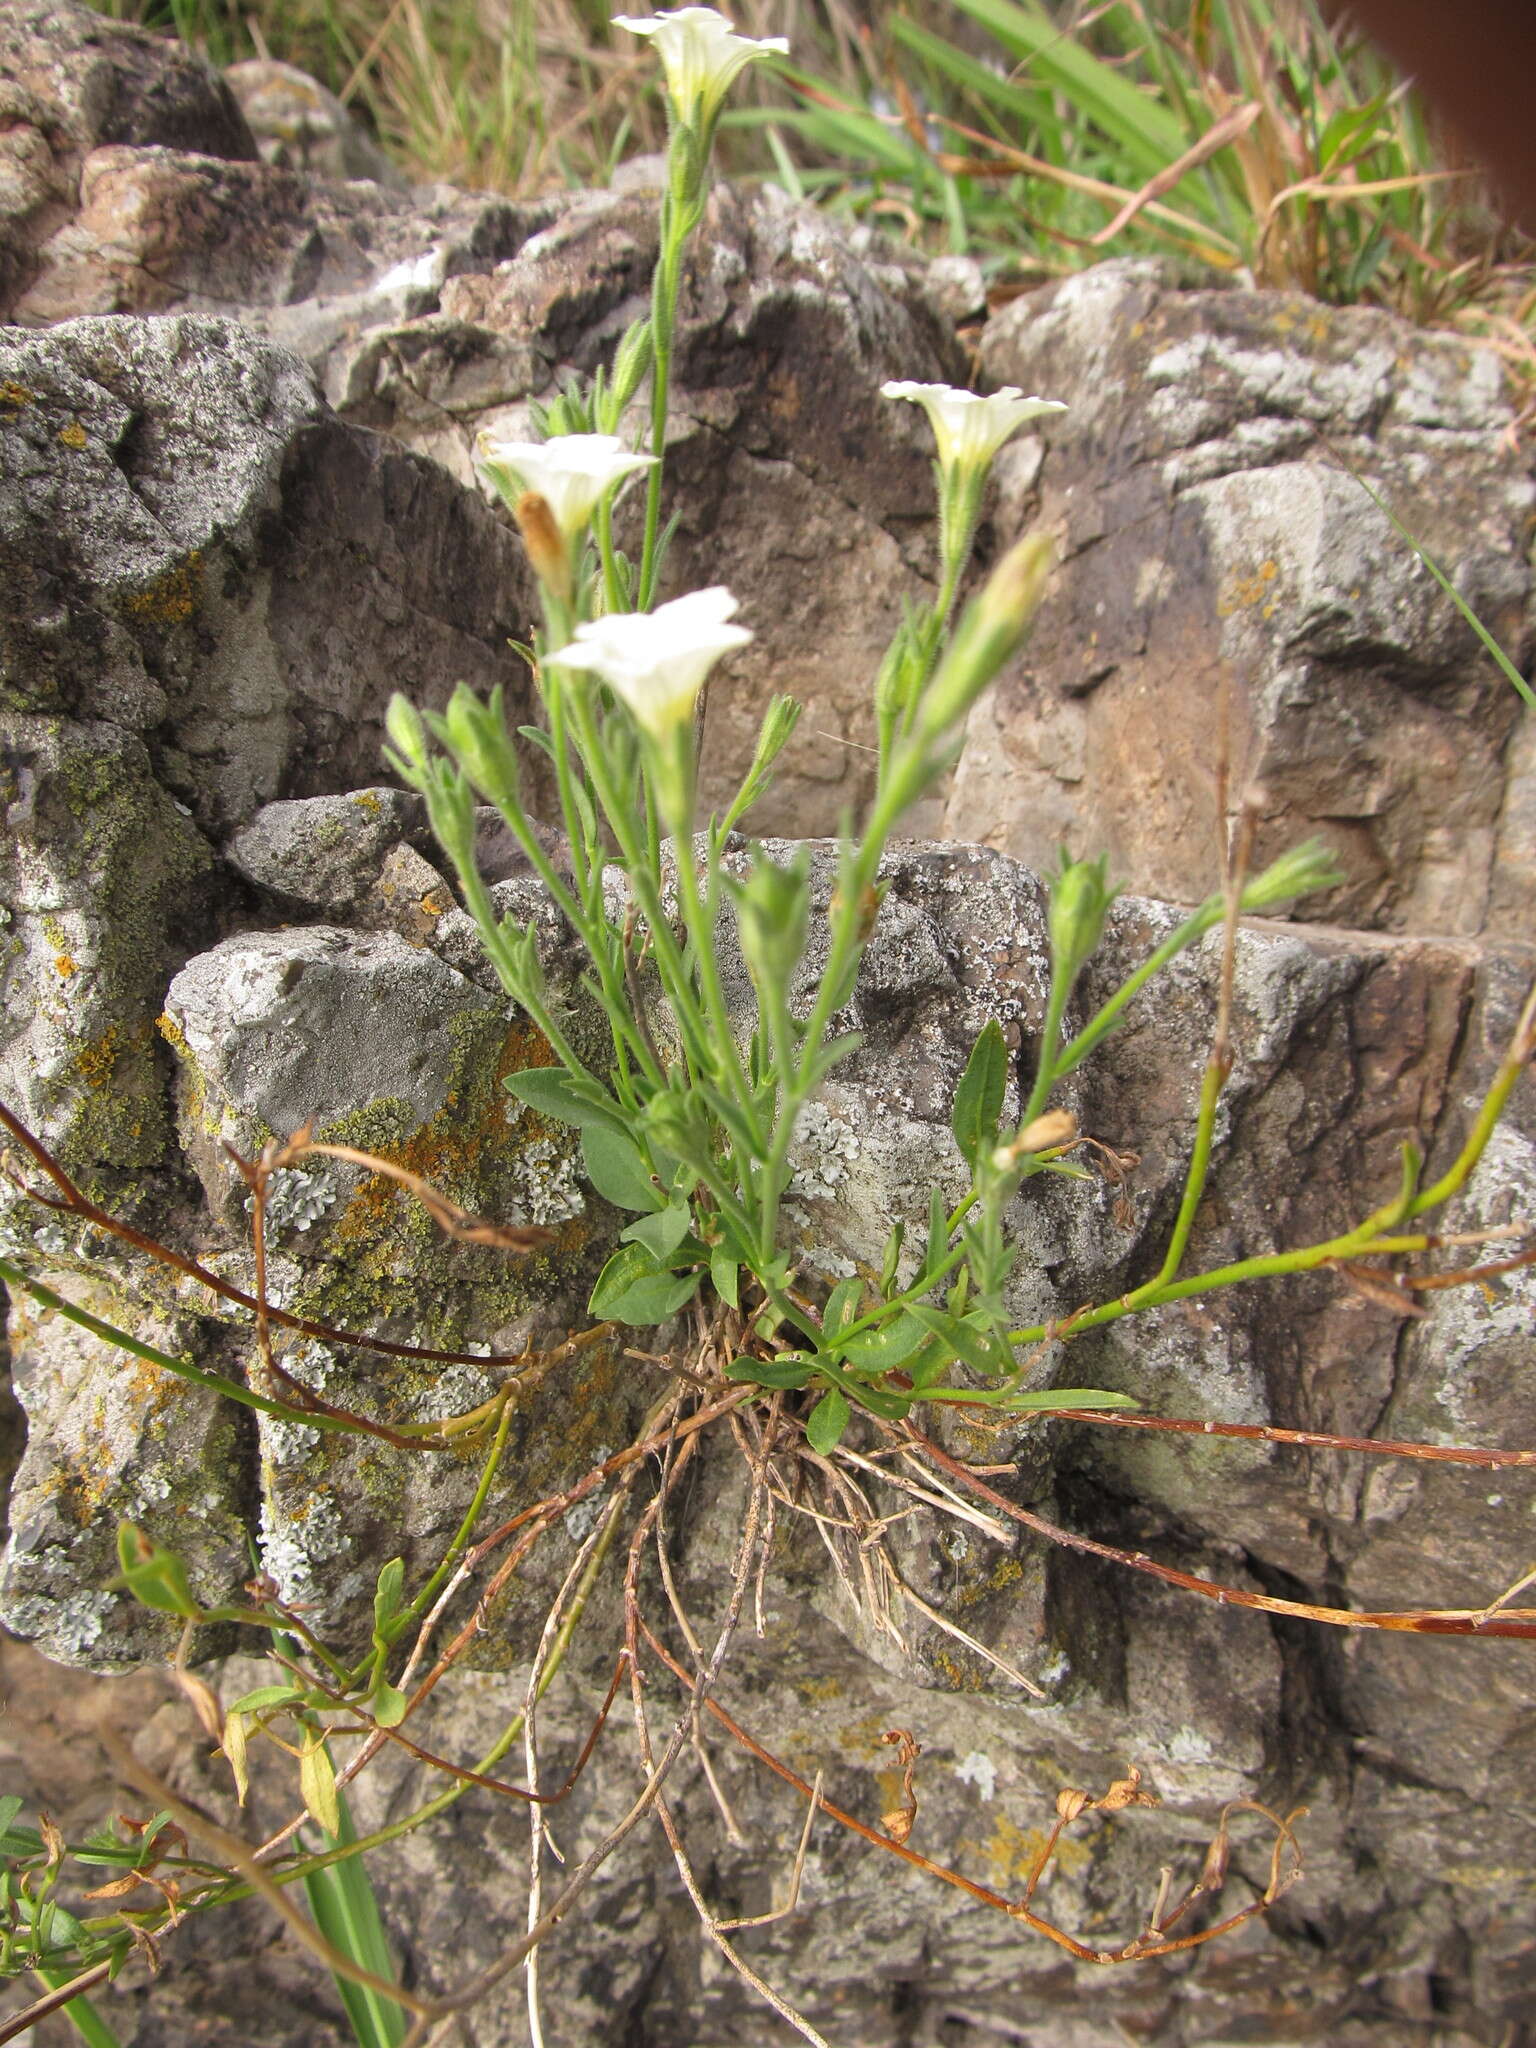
(1513, 1064)
(15, 1276)
(1050, 1066)
(1211, 1086)
(478, 900)
(466, 1529)
(613, 595)
(1104, 1020)
(642, 880)
(676, 225)
(700, 913)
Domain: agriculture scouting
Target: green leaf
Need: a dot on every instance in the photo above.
(891, 1259)
(827, 1421)
(568, 1098)
(614, 1165)
(789, 1370)
(979, 1097)
(386, 1600)
(885, 1347)
(725, 1274)
(317, 1784)
(536, 736)
(266, 1696)
(388, 1705)
(1073, 1397)
(633, 1288)
(662, 1233)
(967, 1338)
(155, 1576)
(345, 1910)
(10, 1806)
(842, 1307)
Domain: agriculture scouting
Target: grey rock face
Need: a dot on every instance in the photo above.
(1208, 531)
(300, 126)
(218, 560)
(101, 877)
(71, 82)
(195, 550)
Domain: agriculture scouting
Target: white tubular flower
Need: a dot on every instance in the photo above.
(700, 54)
(657, 661)
(970, 429)
(570, 473)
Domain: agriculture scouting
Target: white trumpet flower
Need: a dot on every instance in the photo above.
(968, 428)
(701, 54)
(656, 662)
(571, 473)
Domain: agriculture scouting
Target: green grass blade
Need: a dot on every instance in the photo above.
(345, 1910)
(1500, 657)
(1149, 135)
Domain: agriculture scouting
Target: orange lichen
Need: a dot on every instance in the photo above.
(96, 1062)
(74, 435)
(172, 598)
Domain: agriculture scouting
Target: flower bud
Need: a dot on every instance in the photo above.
(992, 628)
(407, 735)
(1298, 873)
(545, 543)
(1080, 897)
(1047, 1133)
(631, 362)
(476, 735)
(772, 912)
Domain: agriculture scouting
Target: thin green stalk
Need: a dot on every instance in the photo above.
(15, 1276)
(686, 1013)
(699, 914)
(1211, 1085)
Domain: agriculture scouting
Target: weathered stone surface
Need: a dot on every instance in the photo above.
(71, 82)
(300, 126)
(1207, 531)
(103, 881)
(312, 264)
(194, 549)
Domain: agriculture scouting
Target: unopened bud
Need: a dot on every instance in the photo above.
(992, 628)
(1080, 896)
(407, 735)
(476, 734)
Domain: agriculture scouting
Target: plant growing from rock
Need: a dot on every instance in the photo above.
(722, 981)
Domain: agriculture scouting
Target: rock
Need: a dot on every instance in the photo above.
(432, 317)
(300, 126)
(71, 82)
(194, 549)
(105, 883)
(1208, 531)
(321, 853)
(112, 1439)
(310, 264)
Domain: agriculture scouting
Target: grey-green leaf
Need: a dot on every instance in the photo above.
(979, 1097)
(616, 1168)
